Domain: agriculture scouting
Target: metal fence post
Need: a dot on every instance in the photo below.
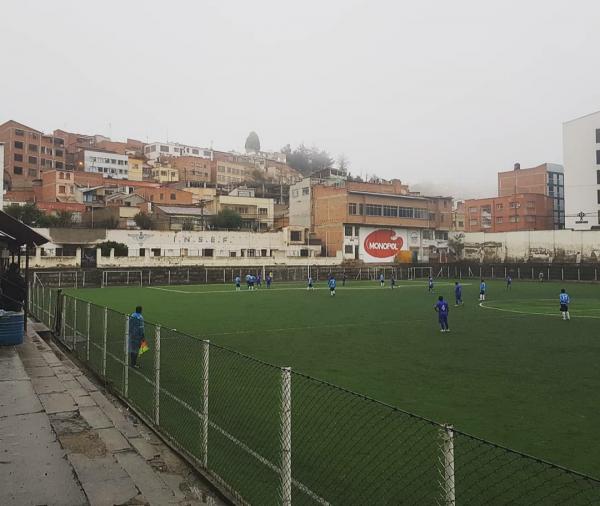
(104, 342)
(286, 436)
(205, 354)
(126, 358)
(562, 273)
(449, 491)
(157, 375)
(87, 348)
(74, 326)
(63, 320)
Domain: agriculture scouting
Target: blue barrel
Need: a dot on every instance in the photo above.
(11, 328)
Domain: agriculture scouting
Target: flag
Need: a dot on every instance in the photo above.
(143, 347)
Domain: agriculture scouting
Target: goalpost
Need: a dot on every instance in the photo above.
(122, 278)
(420, 272)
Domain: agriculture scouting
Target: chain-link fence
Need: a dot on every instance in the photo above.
(268, 435)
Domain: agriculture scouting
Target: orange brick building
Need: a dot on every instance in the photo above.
(522, 211)
(165, 195)
(193, 170)
(344, 216)
(28, 153)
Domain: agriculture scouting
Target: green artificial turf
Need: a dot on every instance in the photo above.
(513, 372)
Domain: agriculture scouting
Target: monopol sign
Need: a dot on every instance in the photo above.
(379, 245)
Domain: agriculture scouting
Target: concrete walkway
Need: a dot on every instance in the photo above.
(65, 442)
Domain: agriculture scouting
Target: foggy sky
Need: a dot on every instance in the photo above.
(439, 93)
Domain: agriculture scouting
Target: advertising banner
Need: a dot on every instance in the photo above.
(380, 245)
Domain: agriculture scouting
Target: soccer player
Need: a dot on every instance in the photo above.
(442, 309)
(252, 281)
(541, 277)
(269, 279)
(237, 284)
(482, 289)
(344, 279)
(458, 294)
(565, 300)
(310, 283)
(258, 281)
(509, 282)
(393, 281)
(136, 334)
(248, 276)
(331, 284)
(430, 285)
(382, 280)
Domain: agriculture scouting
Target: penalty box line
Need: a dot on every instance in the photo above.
(533, 313)
(343, 288)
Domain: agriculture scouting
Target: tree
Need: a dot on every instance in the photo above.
(121, 250)
(258, 176)
(252, 142)
(307, 160)
(456, 244)
(63, 219)
(28, 214)
(144, 221)
(343, 162)
(227, 218)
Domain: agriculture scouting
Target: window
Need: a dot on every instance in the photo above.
(390, 211)
(441, 235)
(598, 157)
(427, 234)
(295, 235)
(18, 157)
(32, 147)
(195, 152)
(33, 159)
(421, 214)
(473, 221)
(173, 196)
(59, 165)
(18, 170)
(499, 207)
(251, 252)
(598, 177)
(352, 208)
(597, 135)
(515, 205)
(472, 209)
(514, 219)
(348, 231)
(499, 219)
(306, 190)
(164, 149)
(530, 218)
(530, 204)
(221, 168)
(348, 249)
(61, 175)
(263, 211)
(432, 216)
(461, 223)
(598, 191)
(406, 212)
(61, 188)
(18, 145)
(20, 133)
(361, 209)
(373, 210)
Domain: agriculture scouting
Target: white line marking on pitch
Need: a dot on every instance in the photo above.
(481, 304)
(342, 288)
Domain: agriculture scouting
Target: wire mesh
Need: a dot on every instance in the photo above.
(269, 440)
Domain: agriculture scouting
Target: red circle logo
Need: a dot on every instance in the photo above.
(383, 243)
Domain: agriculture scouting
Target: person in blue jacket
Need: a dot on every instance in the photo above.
(136, 334)
(331, 284)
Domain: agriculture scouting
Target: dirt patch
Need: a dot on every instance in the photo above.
(68, 423)
(87, 443)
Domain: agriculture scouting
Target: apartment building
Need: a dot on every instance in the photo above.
(154, 150)
(458, 216)
(163, 173)
(29, 152)
(546, 179)
(136, 168)
(192, 170)
(581, 156)
(107, 163)
(163, 195)
(376, 222)
(510, 213)
(257, 214)
(231, 173)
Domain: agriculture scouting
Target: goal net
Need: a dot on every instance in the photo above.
(420, 272)
(116, 278)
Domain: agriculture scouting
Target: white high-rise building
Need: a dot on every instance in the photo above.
(581, 154)
(157, 149)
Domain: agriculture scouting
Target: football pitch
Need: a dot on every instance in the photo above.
(510, 371)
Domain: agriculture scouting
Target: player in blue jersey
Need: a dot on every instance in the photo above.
(310, 283)
(509, 282)
(331, 284)
(442, 309)
(482, 290)
(258, 281)
(237, 283)
(458, 294)
(430, 285)
(565, 300)
(269, 279)
(382, 280)
(252, 281)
